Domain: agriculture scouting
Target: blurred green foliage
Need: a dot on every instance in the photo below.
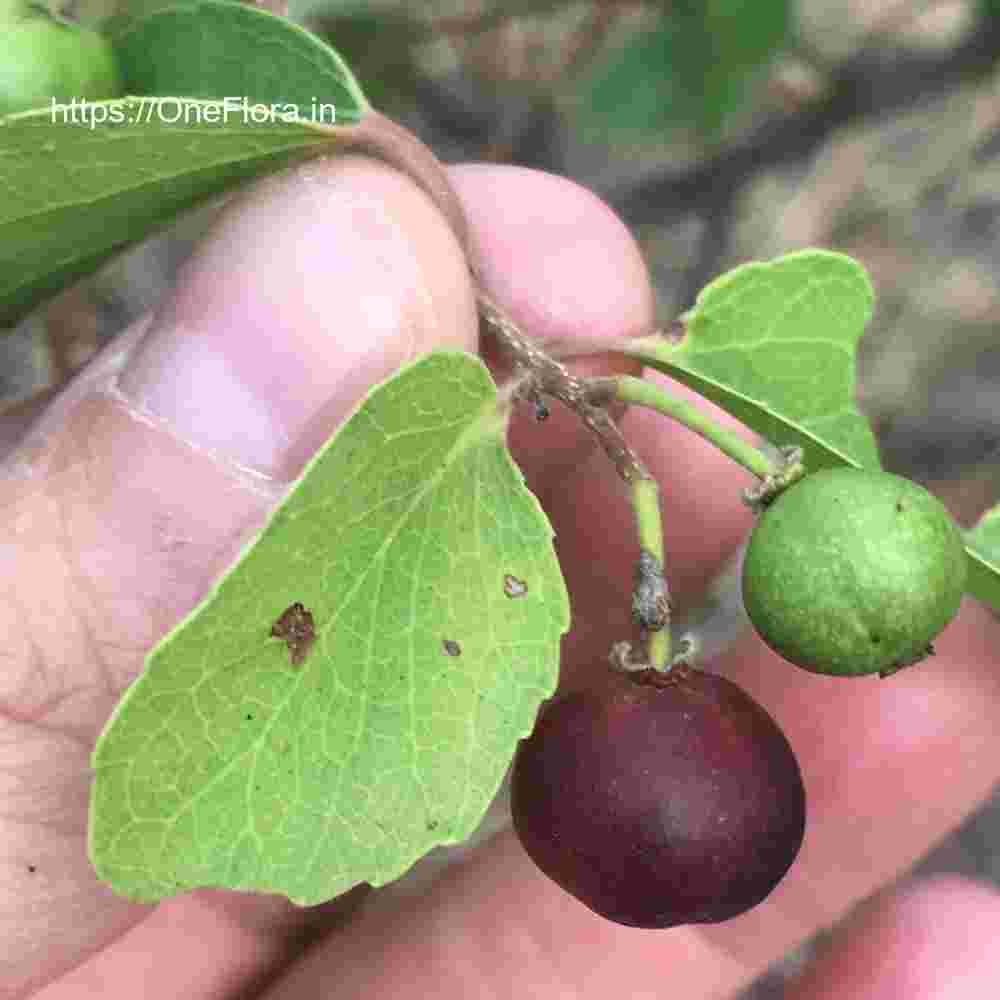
(379, 46)
(692, 67)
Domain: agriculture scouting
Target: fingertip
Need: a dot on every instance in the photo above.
(567, 270)
(554, 255)
(932, 939)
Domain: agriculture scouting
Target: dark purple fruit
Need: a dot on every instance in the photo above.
(660, 799)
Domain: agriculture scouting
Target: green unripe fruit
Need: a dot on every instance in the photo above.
(44, 57)
(852, 572)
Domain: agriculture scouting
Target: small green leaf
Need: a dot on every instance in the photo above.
(774, 344)
(351, 692)
(74, 194)
(983, 548)
(216, 49)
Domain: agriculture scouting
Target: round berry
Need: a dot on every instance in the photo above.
(660, 799)
(852, 572)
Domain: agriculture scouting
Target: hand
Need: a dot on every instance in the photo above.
(143, 481)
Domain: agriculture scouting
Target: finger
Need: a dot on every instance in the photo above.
(529, 231)
(705, 522)
(496, 926)
(143, 481)
(568, 271)
(931, 941)
(890, 767)
(865, 745)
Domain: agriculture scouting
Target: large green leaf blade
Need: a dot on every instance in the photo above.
(775, 345)
(74, 194)
(217, 49)
(408, 538)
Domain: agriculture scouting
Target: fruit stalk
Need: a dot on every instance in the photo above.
(650, 595)
(638, 391)
(542, 375)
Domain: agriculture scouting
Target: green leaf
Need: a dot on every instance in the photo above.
(407, 538)
(983, 548)
(76, 194)
(774, 344)
(215, 49)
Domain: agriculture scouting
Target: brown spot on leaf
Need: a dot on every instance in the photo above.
(451, 647)
(513, 587)
(295, 625)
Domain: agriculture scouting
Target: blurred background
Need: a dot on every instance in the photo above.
(721, 131)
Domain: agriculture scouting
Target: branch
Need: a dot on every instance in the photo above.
(537, 374)
(544, 376)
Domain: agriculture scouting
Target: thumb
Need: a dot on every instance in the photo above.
(143, 480)
(323, 282)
